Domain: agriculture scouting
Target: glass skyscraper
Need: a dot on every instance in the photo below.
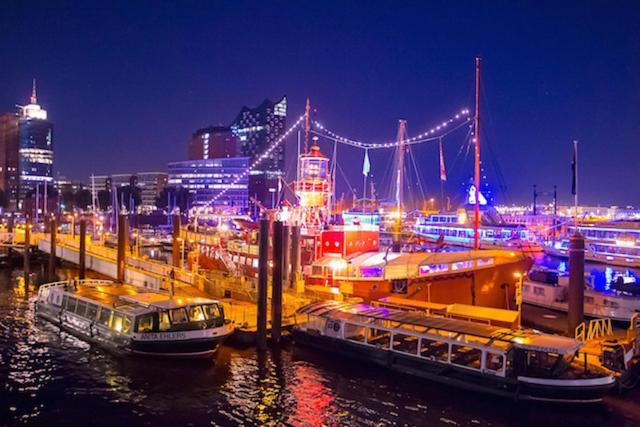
(257, 129)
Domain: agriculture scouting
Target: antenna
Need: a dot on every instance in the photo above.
(34, 98)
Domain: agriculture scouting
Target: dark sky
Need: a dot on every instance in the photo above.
(127, 82)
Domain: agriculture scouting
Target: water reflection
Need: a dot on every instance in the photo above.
(50, 377)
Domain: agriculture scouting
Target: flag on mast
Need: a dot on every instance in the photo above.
(443, 173)
(366, 166)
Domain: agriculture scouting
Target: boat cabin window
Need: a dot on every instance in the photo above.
(354, 332)
(164, 323)
(212, 311)
(405, 343)
(178, 315)
(120, 323)
(105, 316)
(538, 291)
(195, 313)
(81, 308)
(540, 363)
(494, 361)
(378, 337)
(469, 357)
(144, 323)
(92, 310)
(71, 304)
(434, 350)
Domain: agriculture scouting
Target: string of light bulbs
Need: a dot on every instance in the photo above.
(260, 158)
(424, 136)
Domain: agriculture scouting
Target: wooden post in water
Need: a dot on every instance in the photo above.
(123, 244)
(83, 250)
(263, 271)
(576, 282)
(26, 265)
(10, 224)
(286, 253)
(276, 283)
(53, 228)
(176, 255)
(295, 255)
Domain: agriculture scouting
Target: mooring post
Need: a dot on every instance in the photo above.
(53, 228)
(276, 283)
(26, 266)
(295, 255)
(576, 282)
(10, 224)
(263, 271)
(123, 237)
(286, 253)
(176, 255)
(83, 249)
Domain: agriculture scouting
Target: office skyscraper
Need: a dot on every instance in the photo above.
(256, 129)
(26, 151)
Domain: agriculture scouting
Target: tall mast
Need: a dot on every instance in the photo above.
(476, 219)
(306, 126)
(397, 235)
(400, 174)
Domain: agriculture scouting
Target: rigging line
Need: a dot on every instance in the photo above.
(344, 176)
(415, 167)
(369, 146)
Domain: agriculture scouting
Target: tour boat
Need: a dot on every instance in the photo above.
(130, 321)
(524, 365)
(549, 289)
(615, 243)
(438, 228)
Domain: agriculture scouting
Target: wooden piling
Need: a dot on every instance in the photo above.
(576, 282)
(53, 228)
(123, 237)
(26, 265)
(295, 255)
(83, 250)
(176, 255)
(263, 271)
(276, 282)
(286, 254)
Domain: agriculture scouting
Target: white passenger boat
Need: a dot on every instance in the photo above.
(614, 243)
(550, 289)
(525, 365)
(127, 320)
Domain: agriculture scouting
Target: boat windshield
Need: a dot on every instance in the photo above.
(543, 364)
(191, 317)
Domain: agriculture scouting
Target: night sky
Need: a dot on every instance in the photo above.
(126, 83)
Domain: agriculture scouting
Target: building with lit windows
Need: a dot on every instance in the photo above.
(205, 180)
(213, 142)
(150, 184)
(26, 151)
(257, 129)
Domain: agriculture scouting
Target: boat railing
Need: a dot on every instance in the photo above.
(595, 329)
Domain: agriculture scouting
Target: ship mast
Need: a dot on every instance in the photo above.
(476, 210)
(397, 244)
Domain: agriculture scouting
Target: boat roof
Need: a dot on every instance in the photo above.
(158, 300)
(381, 258)
(527, 339)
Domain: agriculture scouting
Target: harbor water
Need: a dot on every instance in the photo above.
(51, 378)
